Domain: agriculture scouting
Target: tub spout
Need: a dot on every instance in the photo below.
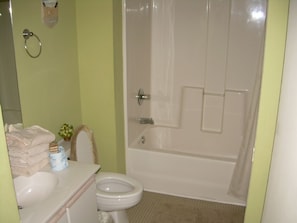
(146, 121)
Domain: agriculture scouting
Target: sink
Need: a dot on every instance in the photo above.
(34, 189)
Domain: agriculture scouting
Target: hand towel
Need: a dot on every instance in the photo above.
(30, 170)
(27, 161)
(30, 151)
(28, 137)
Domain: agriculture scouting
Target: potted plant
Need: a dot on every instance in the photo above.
(66, 131)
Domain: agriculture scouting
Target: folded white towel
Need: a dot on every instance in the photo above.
(28, 137)
(26, 153)
(26, 161)
(28, 171)
(13, 127)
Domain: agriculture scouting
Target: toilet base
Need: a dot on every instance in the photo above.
(119, 216)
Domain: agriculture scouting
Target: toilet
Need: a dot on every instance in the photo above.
(115, 192)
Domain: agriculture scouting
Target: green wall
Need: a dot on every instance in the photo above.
(269, 100)
(101, 78)
(52, 89)
(49, 84)
(118, 73)
(74, 78)
(8, 204)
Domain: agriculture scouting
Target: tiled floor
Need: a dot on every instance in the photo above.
(157, 208)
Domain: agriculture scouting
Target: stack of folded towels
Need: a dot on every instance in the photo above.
(28, 149)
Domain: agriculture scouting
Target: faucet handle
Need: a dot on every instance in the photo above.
(141, 96)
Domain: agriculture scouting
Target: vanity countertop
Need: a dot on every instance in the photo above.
(71, 180)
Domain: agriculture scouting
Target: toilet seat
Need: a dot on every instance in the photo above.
(127, 194)
(129, 186)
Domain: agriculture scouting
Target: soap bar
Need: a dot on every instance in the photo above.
(58, 160)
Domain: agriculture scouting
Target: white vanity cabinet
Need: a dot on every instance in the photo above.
(85, 208)
(82, 207)
(74, 199)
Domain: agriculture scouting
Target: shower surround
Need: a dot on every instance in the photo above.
(200, 62)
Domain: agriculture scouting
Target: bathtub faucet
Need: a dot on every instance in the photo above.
(146, 121)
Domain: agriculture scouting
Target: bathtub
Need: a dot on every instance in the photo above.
(168, 171)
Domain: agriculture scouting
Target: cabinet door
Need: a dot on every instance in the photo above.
(63, 219)
(85, 207)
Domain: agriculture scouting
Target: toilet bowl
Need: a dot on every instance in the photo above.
(115, 192)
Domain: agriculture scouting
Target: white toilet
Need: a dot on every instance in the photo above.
(115, 192)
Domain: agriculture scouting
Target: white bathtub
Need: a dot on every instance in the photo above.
(166, 171)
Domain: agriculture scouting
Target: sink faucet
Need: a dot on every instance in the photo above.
(146, 121)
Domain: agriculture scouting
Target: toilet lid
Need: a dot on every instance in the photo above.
(83, 147)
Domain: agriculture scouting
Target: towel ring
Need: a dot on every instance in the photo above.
(27, 34)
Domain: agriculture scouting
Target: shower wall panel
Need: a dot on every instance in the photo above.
(246, 42)
(199, 61)
(138, 43)
(211, 47)
(217, 46)
(188, 137)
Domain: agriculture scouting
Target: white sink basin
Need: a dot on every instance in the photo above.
(33, 189)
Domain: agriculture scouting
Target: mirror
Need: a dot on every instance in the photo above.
(9, 93)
